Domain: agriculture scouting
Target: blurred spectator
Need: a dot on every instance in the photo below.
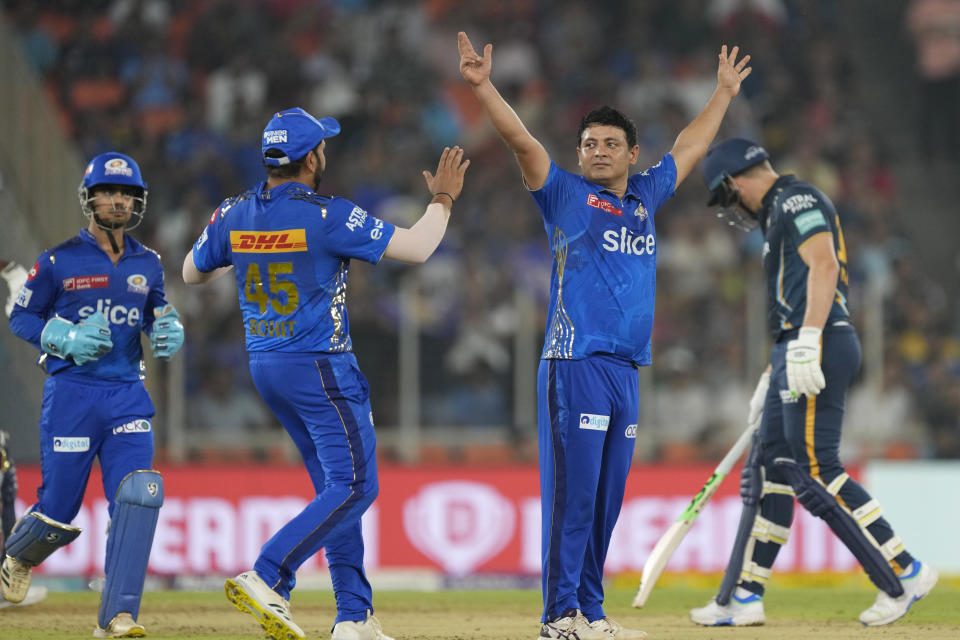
(935, 27)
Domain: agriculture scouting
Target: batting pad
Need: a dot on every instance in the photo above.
(35, 537)
(136, 509)
(821, 503)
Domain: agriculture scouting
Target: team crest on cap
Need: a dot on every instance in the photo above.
(89, 170)
(752, 151)
(117, 167)
(137, 283)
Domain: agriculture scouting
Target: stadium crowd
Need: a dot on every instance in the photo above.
(185, 86)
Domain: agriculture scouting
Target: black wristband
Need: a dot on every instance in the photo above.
(444, 193)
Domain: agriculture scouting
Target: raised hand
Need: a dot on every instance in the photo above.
(473, 68)
(450, 172)
(730, 72)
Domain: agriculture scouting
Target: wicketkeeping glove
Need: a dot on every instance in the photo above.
(758, 398)
(167, 335)
(804, 375)
(15, 276)
(84, 341)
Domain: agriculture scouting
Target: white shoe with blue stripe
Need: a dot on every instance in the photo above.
(744, 609)
(918, 579)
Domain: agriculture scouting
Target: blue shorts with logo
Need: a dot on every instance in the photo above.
(83, 418)
(323, 402)
(587, 428)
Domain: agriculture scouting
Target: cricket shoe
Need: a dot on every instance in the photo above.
(122, 626)
(250, 594)
(617, 631)
(744, 609)
(572, 625)
(918, 579)
(34, 595)
(368, 629)
(14, 579)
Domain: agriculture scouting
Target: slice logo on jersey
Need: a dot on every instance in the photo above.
(117, 167)
(357, 218)
(641, 212)
(134, 426)
(79, 283)
(71, 445)
(603, 205)
(799, 202)
(115, 313)
(268, 241)
(810, 220)
(623, 241)
(594, 422)
(137, 283)
(631, 431)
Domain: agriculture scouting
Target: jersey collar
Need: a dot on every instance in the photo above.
(770, 197)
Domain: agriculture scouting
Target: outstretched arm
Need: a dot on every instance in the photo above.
(416, 244)
(192, 275)
(695, 139)
(533, 159)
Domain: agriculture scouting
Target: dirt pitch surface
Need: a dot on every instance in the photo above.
(792, 614)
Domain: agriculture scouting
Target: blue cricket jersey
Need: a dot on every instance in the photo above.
(792, 212)
(291, 250)
(603, 283)
(76, 279)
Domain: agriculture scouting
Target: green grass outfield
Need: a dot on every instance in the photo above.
(824, 612)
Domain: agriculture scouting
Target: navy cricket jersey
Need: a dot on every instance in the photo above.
(76, 279)
(603, 283)
(291, 251)
(794, 211)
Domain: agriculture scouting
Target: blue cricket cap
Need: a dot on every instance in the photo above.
(728, 158)
(113, 168)
(294, 133)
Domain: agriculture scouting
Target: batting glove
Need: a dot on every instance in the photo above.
(758, 399)
(804, 375)
(166, 338)
(84, 341)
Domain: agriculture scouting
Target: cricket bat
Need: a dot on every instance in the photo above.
(670, 540)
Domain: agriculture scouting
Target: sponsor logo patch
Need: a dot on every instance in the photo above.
(79, 283)
(810, 220)
(23, 298)
(603, 205)
(623, 241)
(213, 216)
(357, 218)
(594, 422)
(799, 202)
(752, 152)
(787, 398)
(268, 241)
(117, 167)
(277, 136)
(71, 445)
(34, 270)
(134, 426)
(631, 431)
(137, 283)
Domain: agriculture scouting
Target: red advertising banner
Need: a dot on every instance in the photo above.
(454, 520)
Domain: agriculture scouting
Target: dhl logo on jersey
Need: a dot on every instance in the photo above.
(268, 241)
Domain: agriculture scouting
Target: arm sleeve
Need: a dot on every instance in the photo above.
(805, 213)
(351, 232)
(210, 251)
(658, 183)
(552, 198)
(35, 301)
